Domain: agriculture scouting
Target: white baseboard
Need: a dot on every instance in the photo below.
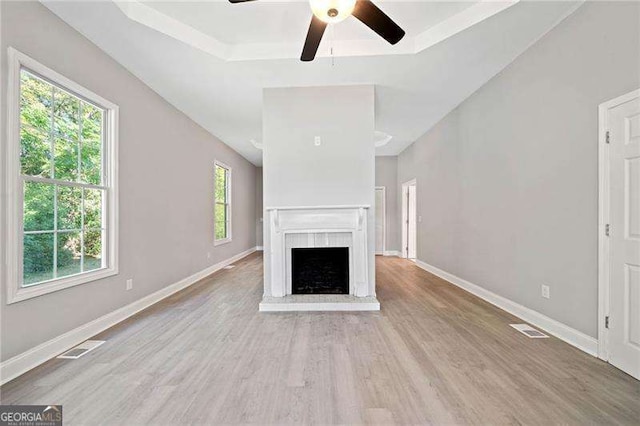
(259, 248)
(20, 364)
(391, 253)
(562, 331)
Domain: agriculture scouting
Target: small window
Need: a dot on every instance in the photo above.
(222, 208)
(63, 156)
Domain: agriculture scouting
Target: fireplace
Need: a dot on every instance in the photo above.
(320, 270)
(318, 259)
(317, 227)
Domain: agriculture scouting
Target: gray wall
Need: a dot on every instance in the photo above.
(387, 176)
(339, 172)
(507, 182)
(166, 178)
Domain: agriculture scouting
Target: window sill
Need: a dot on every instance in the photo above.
(24, 293)
(221, 242)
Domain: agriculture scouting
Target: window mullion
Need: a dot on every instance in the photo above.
(30, 178)
(79, 147)
(52, 134)
(38, 232)
(55, 187)
(226, 186)
(55, 231)
(82, 190)
(82, 232)
(106, 154)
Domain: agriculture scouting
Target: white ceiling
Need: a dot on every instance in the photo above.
(212, 59)
(274, 29)
(288, 20)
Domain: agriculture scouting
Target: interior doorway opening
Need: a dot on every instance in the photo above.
(409, 220)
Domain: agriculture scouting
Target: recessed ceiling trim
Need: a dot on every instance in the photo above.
(152, 18)
(460, 22)
(146, 15)
(413, 91)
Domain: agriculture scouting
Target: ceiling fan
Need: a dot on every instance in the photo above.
(333, 11)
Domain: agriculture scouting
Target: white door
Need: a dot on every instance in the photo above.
(412, 226)
(380, 220)
(623, 124)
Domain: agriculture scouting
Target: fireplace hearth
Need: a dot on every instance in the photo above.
(320, 270)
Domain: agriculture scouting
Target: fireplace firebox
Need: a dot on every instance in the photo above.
(320, 270)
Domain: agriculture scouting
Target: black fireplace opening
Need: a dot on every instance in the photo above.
(322, 270)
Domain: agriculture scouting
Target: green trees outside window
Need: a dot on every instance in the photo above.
(61, 162)
(222, 207)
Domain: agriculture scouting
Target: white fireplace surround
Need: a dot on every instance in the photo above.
(324, 226)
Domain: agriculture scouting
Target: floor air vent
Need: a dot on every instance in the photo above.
(81, 349)
(529, 331)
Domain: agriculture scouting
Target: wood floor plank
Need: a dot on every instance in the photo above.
(434, 354)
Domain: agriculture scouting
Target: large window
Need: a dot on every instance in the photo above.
(61, 166)
(222, 209)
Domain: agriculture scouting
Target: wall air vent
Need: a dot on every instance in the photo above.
(82, 349)
(529, 331)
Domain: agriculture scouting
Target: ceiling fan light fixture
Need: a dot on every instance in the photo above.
(332, 11)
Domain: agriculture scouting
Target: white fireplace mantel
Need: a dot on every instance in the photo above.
(346, 220)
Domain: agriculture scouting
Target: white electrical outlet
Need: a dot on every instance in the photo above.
(129, 284)
(545, 291)
(208, 255)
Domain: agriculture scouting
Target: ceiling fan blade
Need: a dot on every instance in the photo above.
(314, 36)
(369, 14)
(239, 1)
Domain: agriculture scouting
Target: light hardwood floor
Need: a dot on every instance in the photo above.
(434, 354)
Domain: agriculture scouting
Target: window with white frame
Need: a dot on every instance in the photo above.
(222, 208)
(61, 164)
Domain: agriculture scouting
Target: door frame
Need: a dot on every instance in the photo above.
(405, 217)
(604, 245)
(384, 218)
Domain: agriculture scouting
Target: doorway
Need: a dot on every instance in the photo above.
(619, 233)
(381, 200)
(409, 219)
